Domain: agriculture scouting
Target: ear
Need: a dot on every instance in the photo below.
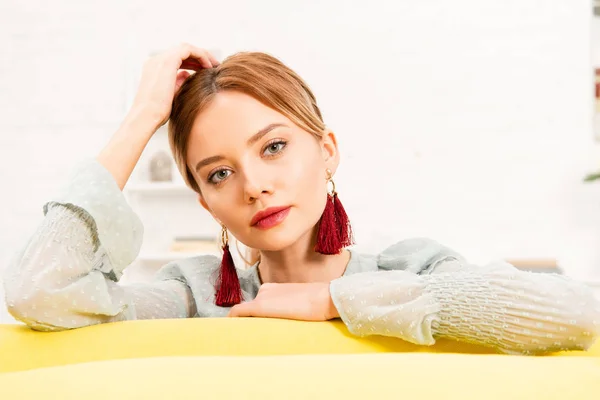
(329, 149)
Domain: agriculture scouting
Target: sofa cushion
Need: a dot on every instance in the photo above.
(23, 349)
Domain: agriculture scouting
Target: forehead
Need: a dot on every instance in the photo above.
(231, 117)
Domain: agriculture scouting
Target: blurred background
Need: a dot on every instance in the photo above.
(472, 122)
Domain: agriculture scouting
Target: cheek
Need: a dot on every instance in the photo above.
(222, 207)
(302, 168)
(305, 177)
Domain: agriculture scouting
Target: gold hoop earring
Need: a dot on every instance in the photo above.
(224, 236)
(330, 180)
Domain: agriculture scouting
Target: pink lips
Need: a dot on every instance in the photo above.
(270, 217)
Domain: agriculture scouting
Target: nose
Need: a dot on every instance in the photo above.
(256, 185)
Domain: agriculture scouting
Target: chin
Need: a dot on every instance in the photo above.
(272, 241)
(277, 238)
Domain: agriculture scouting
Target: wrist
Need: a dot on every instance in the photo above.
(123, 151)
(332, 311)
(143, 121)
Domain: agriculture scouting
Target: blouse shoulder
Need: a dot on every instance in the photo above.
(418, 255)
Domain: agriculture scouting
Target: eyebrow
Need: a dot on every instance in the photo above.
(253, 139)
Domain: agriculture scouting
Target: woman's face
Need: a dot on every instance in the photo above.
(250, 159)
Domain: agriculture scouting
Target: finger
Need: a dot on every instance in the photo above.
(181, 77)
(212, 59)
(188, 51)
(242, 310)
(191, 63)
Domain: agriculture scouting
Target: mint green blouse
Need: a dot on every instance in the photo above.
(67, 276)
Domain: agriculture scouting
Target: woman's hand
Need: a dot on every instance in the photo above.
(163, 75)
(161, 78)
(302, 301)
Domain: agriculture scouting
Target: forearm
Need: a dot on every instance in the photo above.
(88, 237)
(515, 311)
(60, 265)
(510, 310)
(123, 151)
(61, 281)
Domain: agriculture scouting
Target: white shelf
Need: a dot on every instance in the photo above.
(158, 188)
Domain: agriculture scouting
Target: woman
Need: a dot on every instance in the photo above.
(248, 137)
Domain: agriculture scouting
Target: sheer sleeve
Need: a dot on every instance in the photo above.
(495, 305)
(66, 275)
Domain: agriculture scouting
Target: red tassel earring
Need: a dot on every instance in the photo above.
(229, 292)
(334, 232)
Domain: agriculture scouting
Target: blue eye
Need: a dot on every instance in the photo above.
(274, 147)
(219, 176)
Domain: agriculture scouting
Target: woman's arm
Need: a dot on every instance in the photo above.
(162, 76)
(66, 275)
(498, 306)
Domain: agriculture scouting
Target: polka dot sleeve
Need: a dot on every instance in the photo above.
(495, 305)
(66, 275)
(113, 223)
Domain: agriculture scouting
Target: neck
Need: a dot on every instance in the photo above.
(300, 263)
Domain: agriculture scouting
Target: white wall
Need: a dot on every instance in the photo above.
(467, 121)
(596, 42)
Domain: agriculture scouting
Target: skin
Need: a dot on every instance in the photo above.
(284, 167)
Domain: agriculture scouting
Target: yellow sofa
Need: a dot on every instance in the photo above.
(270, 358)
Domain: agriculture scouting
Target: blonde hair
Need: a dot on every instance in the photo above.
(256, 74)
